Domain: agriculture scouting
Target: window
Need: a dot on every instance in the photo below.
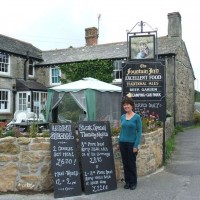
(4, 64)
(25, 99)
(55, 75)
(39, 102)
(22, 101)
(117, 72)
(31, 68)
(4, 100)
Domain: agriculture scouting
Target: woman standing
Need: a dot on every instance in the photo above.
(129, 139)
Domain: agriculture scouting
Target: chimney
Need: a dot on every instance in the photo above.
(91, 36)
(174, 25)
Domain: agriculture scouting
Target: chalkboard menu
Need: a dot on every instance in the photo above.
(97, 157)
(65, 166)
(145, 83)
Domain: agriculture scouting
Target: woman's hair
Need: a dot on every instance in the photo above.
(128, 100)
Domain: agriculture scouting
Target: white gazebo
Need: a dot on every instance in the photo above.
(89, 98)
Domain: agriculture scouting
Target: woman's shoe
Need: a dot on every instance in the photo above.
(132, 187)
(126, 186)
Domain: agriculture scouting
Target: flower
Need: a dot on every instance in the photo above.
(115, 128)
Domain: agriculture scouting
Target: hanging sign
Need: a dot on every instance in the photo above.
(145, 83)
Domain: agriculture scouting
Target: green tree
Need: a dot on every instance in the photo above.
(197, 96)
(99, 69)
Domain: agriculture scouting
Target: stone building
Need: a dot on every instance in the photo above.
(179, 73)
(19, 89)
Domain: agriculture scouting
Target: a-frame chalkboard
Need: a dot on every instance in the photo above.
(97, 161)
(65, 166)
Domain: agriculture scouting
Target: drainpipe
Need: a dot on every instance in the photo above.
(25, 65)
(14, 96)
(174, 96)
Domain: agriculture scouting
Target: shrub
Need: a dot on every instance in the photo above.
(150, 124)
(14, 132)
(170, 145)
(196, 117)
(177, 129)
(33, 130)
(115, 129)
(45, 133)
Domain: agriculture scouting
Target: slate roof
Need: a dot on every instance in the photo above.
(18, 47)
(22, 85)
(103, 51)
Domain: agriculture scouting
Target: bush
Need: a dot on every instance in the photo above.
(150, 124)
(33, 130)
(115, 129)
(177, 129)
(14, 132)
(170, 145)
(197, 118)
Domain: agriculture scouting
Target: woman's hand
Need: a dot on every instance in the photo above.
(135, 150)
(117, 147)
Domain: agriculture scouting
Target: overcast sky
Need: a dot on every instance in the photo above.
(56, 24)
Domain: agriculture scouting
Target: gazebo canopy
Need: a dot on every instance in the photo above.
(87, 83)
(87, 99)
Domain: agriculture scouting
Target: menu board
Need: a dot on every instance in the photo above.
(145, 83)
(97, 157)
(65, 166)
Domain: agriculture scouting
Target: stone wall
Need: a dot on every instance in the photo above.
(25, 163)
(169, 127)
(149, 158)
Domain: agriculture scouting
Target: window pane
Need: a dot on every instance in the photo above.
(55, 75)
(31, 68)
(22, 101)
(4, 63)
(4, 100)
(117, 69)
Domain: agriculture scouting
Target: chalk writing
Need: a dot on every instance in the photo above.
(65, 167)
(144, 82)
(97, 157)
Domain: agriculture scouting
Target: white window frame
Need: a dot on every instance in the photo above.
(39, 102)
(25, 100)
(117, 71)
(5, 110)
(4, 64)
(51, 75)
(31, 64)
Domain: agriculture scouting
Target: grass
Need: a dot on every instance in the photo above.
(171, 142)
(170, 146)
